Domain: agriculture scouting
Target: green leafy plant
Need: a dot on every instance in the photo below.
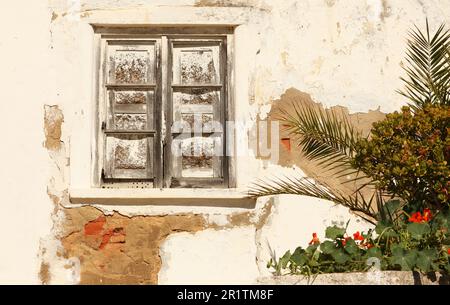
(408, 156)
(417, 242)
(331, 140)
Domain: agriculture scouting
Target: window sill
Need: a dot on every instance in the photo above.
(186, 197)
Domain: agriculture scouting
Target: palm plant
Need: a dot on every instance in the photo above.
(329, 138)
(428, 69)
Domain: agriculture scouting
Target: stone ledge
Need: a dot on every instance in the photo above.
(362, 278)
(185, 197)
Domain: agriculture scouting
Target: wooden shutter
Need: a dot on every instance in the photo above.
(197, 87)
(129, 126)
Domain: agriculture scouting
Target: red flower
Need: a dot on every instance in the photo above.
(344, 241)
(358, 236)
(368, 246)
(315, 240)
(416, 217)
(448, 251)
(427, 215)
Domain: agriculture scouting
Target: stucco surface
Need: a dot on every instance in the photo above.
(210, 257)
(368, 278)
(343, 52)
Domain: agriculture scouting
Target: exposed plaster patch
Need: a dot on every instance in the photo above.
(284, 58)
(386, 12)
(44, 273)
(54, 267)
(257, 217)
(52, 127)
(116, 249)
(54, 16)
(222, 3)
(317, 65)
(362, 122)
(260, 242)
(330, 3)
(85, 14)
(216, 220)
(120, 250)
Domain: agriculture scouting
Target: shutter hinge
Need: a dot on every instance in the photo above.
(103, 125)
(103, 174)
(157, 59)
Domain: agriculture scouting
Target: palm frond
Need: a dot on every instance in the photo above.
(428, 66)
(324, 136)
(303, 186)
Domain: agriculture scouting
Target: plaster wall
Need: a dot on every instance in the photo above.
(340, 52)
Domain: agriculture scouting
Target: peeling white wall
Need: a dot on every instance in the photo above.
(342, 52)
(240, 255)
(293, 221)
(210, 257)
(25, 209)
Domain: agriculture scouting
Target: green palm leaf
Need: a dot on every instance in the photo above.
(428, 58)
(328, 138)
(324, 136)
(306, 187)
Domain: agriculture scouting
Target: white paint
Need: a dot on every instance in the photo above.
(217, 219)
(295, 218)
(375, 8)
(210, 257)
(61, 270)
(236, 255)
(25, 209)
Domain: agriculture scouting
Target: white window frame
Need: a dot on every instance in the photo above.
(165, 35)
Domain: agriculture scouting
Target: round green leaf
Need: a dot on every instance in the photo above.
(406, 260)
(334, 232)
(417, 230)
(374, 252)
(328, 247)
(312, 248)
(285, 259)
(299, 257)
(425, 259)
(340, 257)
(351, 247)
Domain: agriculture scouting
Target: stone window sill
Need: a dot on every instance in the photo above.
(134, 196)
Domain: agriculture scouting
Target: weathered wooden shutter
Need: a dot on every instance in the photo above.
(129, 128)
(197, 112)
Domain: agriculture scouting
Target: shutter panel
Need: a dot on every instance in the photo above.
(197, 110)
(130, 128)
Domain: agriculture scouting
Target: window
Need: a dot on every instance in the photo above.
(163, 108)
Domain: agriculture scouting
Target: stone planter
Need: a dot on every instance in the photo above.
(364, 278)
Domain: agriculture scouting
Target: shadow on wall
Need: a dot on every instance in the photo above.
(290, 155)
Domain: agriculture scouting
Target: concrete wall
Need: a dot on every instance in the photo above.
(366, 278)
(340, 52)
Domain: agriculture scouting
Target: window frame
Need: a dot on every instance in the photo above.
(164, 37)
(169, 178)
